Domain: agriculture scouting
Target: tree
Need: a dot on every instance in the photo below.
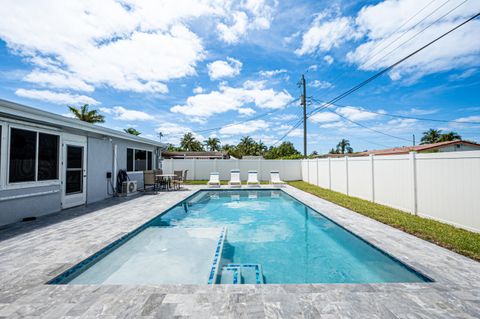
(213, 144)
(132, 131)
(86, 115)
(189, 143)
(333, 151)
(284, 150)
(231, 150)
(435, 136)
(431, 136)
(344, 147)
(246, 146)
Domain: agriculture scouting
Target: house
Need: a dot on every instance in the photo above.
(449, 146)
(196, 155)
(49, 162)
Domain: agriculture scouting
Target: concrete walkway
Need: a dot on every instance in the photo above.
(33, 253)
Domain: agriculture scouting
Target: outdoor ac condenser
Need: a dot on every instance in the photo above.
(129, 187)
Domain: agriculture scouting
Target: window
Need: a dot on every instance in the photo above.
(29, 163)
(139, 160)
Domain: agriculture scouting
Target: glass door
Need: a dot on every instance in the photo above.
(74, 171)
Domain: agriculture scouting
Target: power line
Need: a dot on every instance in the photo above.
(378, 74)
(401, 116)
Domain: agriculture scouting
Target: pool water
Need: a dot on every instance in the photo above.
(268, 229)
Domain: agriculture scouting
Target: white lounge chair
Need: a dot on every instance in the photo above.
(214, 179)
(252, 179)
(235, 178)
(275, 178)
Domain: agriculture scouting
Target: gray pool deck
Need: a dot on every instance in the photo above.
(34, 252)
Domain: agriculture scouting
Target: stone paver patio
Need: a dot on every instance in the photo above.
(33, 253)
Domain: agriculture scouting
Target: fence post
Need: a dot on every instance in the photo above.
(372, 177)
(413, 170)
(193, 169)
(329, 173)
(346, 174)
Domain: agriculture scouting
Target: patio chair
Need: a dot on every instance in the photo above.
(160, 182)
(235, 178)
(214, 179)
(275, 178)
(252, 179)
(177, 179)
(149, 180)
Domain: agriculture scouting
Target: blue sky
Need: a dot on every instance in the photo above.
(215, 67)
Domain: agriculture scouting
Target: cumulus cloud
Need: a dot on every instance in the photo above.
(271, 73)
(385, 44)
(224, 69)
(123, 114)
(356, 113)
(326, 33)
(244, 128)
(232, 99)
(324, 117)
(198, 90)
(172, 132)
(321, 84)
(328, 58)
(56, 97)
(134, 47)
(473, 118)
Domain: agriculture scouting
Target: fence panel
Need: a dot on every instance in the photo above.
(359, 177)
(448, 188)
(339, 175)
(312, 171)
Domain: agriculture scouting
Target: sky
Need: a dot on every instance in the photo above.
(228, 69)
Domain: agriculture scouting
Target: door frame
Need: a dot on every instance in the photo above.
(76, 199)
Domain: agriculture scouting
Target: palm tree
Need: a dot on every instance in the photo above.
(431, 136)
(83, 114)
(132, 131)
(189, 143)
(213, 144)
(344, 147)
(246, 146)
(450, 136)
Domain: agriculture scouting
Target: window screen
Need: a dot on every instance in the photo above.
(129, 159)
(23, 145)
(140, 160)
(47, 156)
(149, 161)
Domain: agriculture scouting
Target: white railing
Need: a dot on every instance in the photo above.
(200, 169)
(441, 186)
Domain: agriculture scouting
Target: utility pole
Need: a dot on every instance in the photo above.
(304, 104)
(413, 139)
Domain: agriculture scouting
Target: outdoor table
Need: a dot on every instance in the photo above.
(168, 178)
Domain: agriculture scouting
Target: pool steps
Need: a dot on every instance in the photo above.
(242, 274)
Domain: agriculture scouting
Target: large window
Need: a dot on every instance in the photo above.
(33, 156)
(139, 160)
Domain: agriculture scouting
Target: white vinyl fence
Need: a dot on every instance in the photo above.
(200, 169)
(441, 186)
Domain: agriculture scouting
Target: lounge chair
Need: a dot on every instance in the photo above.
(214, 179)
(235, 178)
(275, 179)
(252, 179)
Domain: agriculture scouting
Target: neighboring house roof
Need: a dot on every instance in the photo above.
(204, 154)
(404, 149)
(33, 115)
(416, 148)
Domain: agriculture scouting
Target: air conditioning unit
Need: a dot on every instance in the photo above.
(129, 187)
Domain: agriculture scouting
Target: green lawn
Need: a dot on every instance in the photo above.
(461, 241)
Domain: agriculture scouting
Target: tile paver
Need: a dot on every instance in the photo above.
(35, 252)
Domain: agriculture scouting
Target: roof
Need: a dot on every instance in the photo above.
(203, 154)
(34, 115)
(416, 148)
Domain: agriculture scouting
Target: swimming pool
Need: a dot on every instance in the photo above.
(240, 236)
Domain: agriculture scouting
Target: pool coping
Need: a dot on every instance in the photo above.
(29, 259)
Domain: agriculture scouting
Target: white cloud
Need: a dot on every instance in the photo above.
(127, 46)
(55, 97)
(222, 69)
(123, 114)
(356, 113)
(250, 15)
(231, 99)
(325, 33)
(380, 23)
(198, 90)
(321, 84)
(328, 58)
(324, 117)
(271, 73)
(473, 118)
(418, 111)
(172, 132)
(313, 67)
(285, 117)
(246, 111)
(244, 128)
